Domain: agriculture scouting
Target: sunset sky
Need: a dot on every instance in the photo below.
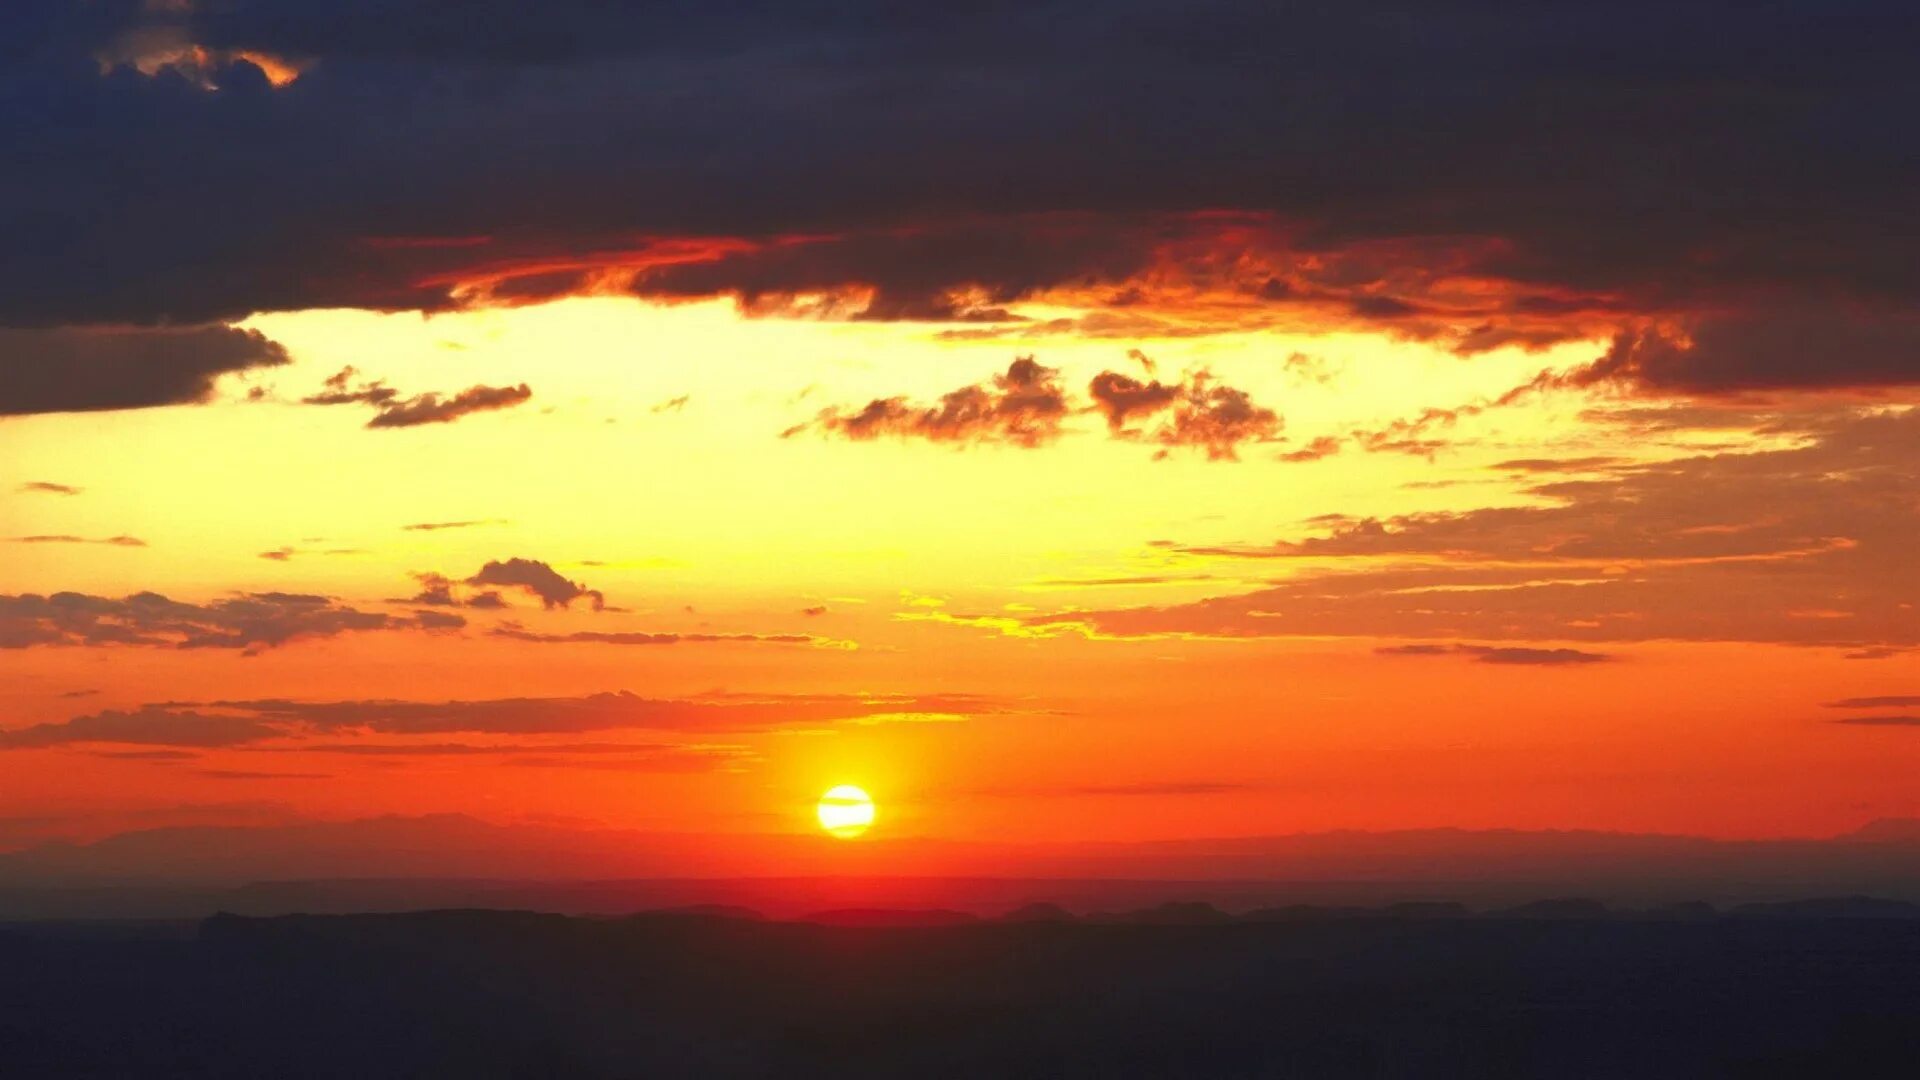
(1070, 423)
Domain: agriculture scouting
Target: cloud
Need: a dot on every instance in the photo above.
(340, 389)
(1883, 702)
(247, 621)
(1808, 545)
(394, 411)
(287, 554)
(1559, 465)
(433, 409)
(46, 487)
(1881, 721)
(1110, 582)
(1023, 407)
(1158, 789)
(1027, 405)
(641, 637)
(435, 526)
(1198, 412)
(664, 759)
(63, 538)
(223, 724)
(248, 774)
(1120, 397)
(1323, 446)
(1217, 419)
(1503, 654)
(634, 754)
(852, 161)
(1774, 348)
(1878, 652)
(150, 725)
(539, 579)
(89, 370)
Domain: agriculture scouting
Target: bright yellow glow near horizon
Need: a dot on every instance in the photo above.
(845, 812)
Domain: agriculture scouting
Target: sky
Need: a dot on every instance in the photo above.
(1073, 424)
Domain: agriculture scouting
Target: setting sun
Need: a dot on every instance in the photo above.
(845, 811)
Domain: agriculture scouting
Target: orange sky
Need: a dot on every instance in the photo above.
(1283, 596)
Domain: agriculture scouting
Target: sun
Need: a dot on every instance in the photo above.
(845, 811)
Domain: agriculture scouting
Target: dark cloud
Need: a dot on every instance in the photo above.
(149, 725)
(1500, 654)
(1120, 398)
(287, 554)
(1027, 405)
(217, 724)
(436, 590)
(642, 637)
(539, 579)
(1558, 465)
(1142, 789)
(1023, 407)
(1108, 582)
(433, 409)
(435, 526)
(341, 389)
(1776, 348)
(46, 487)
(666, 759)
(437, 620)
(958, 272)
(1881, 721)
(1416, 435)
(248, 621)
(1323, 446)
(247, 774)
(63, 538)
(1888, 701)
(88, 370)
(914, 165)
(1535, 657)
(1158, 789)
(1875, 653)
(1215, 418)
(443, 749)
(395, 411)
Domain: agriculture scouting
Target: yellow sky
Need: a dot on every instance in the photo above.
(699, 518)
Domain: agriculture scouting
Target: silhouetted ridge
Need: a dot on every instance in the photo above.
(1846, 907)
(889, 917)
(1559, 908)
(1038, 913)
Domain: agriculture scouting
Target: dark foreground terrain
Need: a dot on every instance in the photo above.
(1558, 992)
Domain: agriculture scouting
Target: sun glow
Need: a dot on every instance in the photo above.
(845, 811)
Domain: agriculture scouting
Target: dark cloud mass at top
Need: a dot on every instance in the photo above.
(1724, 169)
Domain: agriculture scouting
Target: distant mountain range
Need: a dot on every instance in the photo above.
(401, 863)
